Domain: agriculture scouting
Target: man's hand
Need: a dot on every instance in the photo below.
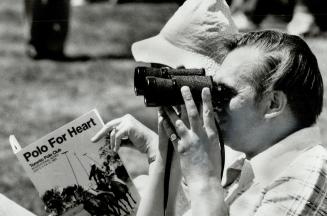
(152, 202)
(199, 154)
(198, 146)
(143, 139)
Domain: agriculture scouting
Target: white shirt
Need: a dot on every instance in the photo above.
(289, 178)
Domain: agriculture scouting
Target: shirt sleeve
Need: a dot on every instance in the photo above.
(302, 190)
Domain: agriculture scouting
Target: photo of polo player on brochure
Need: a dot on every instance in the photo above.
(75, 176)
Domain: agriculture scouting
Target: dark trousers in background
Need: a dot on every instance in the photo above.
(319, 9)
(47, 25)
(257, 10)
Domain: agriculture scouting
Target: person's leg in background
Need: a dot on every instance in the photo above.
(240, 11)
(257, 10)
(47, 25)
(253, 12)
(309, 18)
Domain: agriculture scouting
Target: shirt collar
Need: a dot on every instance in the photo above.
(270, 163)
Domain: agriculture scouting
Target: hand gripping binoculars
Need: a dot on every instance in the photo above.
(161, 86)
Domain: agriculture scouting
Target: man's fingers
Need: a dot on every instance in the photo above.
(192, 111)
(184, 117)
(174, 123)
(119, 136)
(170, 114)
(112, 138)
(208, 114)
(169, 128)
(163, 138)
(105, 129)
(176, 131)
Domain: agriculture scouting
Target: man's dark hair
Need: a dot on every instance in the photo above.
(289, 66)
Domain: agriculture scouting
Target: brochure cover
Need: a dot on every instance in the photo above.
(75, 176)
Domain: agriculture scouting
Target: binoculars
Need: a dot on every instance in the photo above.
(161, 86)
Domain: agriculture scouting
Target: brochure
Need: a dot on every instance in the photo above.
(75, 176)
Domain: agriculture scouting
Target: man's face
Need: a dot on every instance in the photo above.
(242, 118)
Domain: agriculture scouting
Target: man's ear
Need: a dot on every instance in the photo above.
(276, 104)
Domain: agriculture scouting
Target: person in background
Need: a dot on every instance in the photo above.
(308, 18)
(303, 17)
(46, 28)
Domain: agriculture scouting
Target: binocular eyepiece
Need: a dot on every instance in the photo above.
(161, 86)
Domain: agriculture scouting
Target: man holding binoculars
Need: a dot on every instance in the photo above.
(265, 95)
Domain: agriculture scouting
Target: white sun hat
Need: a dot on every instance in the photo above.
(188, 37)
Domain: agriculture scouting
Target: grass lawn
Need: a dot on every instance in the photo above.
(39, 96)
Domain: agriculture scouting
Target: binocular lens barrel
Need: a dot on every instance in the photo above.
(141, 73)
(162, 86)
(166, 92)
